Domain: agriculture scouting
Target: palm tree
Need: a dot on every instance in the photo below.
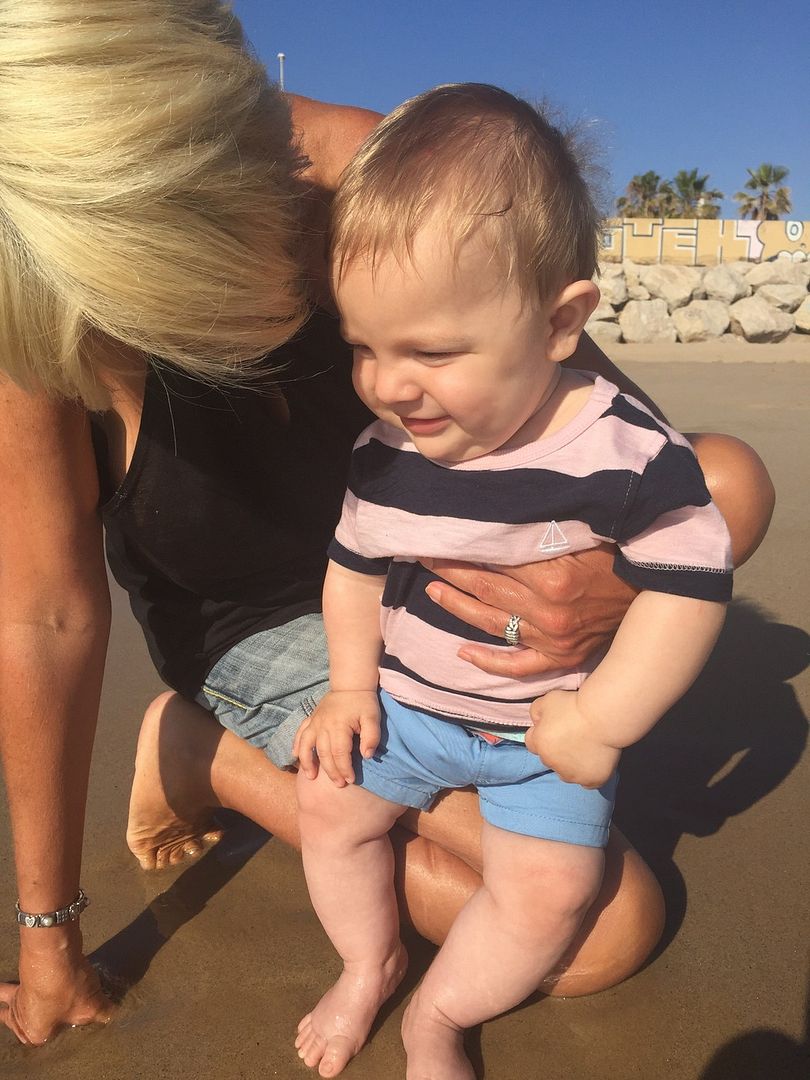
(647, 195)
(765, 204)
(693, 197)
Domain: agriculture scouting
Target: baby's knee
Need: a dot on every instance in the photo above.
(317, 802)
(569, 895)
(556, 892)
(327, 814)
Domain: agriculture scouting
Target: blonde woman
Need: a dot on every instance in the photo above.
(160, 228)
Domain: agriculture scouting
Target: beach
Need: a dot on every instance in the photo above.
(222, 957)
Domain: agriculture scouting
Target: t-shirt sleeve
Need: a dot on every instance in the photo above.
(672, 537)
(347, 548)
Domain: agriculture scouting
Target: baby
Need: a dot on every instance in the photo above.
(464, 244)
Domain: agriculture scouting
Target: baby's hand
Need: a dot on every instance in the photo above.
(563, 738)
(329, 734)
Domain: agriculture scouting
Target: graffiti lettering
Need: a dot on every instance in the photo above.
(701, 241)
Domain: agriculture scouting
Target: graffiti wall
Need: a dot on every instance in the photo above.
(700, 242)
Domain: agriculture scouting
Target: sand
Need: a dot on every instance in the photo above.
(226, 956)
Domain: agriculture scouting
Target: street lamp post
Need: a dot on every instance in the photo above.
(281, 59)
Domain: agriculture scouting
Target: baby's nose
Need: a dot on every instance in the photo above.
(393, 386)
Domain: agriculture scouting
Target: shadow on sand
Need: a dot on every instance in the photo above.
(733, 739)
(763, 1053)
(124, 959)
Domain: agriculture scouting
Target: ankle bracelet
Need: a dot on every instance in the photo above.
(46, 919)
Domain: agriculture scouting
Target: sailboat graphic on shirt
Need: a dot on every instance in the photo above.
(553, 539)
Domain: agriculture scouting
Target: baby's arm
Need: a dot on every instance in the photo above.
(658, 652)
(351, 613)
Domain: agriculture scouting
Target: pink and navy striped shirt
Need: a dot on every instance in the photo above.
(615, 473)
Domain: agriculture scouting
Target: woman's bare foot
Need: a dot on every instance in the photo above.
(338, 1026)
(169, 817)
(434, 1045)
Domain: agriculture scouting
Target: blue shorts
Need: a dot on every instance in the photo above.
(421, 755)
(265, 686)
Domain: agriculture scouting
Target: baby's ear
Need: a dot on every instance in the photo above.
(568, 314)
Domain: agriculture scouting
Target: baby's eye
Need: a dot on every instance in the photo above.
(361, 350)
(425, 354)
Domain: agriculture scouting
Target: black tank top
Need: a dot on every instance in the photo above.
(221, 525)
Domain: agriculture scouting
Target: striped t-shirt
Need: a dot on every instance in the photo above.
(614, 473)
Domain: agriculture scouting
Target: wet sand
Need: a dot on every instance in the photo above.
(225, 956)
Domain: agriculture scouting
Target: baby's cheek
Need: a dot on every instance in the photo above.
(364, 388)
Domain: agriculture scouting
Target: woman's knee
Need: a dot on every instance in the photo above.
(156, 708)
(741, 488)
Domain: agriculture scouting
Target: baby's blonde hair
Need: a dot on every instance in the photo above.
(146, 191)
(480, 162)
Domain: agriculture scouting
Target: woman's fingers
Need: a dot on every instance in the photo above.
(484, 598)
(8, 995)
(35, 1024)
(57, 989)
(512, 663)
(539, 653)
(569, 607)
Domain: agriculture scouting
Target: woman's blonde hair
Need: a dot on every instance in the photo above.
(481, 162)
(146, 191)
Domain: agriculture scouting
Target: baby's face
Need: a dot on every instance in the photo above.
(444, 349)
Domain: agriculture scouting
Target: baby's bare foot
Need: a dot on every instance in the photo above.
(161, 832)
(338, 1026)
(434, 1044)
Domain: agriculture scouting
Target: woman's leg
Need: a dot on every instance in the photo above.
(187, 764)
(741, 488)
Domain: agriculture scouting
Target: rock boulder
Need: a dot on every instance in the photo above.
(647, 320)
(724, 284)
(756, 320)
(677, 285)
(701, 320)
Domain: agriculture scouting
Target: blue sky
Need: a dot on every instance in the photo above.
(716, 86)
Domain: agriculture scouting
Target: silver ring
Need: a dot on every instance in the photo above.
(512, 631)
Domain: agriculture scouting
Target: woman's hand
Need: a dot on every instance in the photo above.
(569, 608)
(58, 988)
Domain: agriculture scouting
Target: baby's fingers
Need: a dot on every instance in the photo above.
(341, 746)
(369, 736)
(332, 760)
(304, 750)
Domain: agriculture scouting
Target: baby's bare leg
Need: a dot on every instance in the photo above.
(349, 867)
(509, 934)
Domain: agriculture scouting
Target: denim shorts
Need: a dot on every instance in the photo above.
(265, 686)
(420, 755)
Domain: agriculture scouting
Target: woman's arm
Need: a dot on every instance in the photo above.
(571, 606)
(54, 622)
(328, 136)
